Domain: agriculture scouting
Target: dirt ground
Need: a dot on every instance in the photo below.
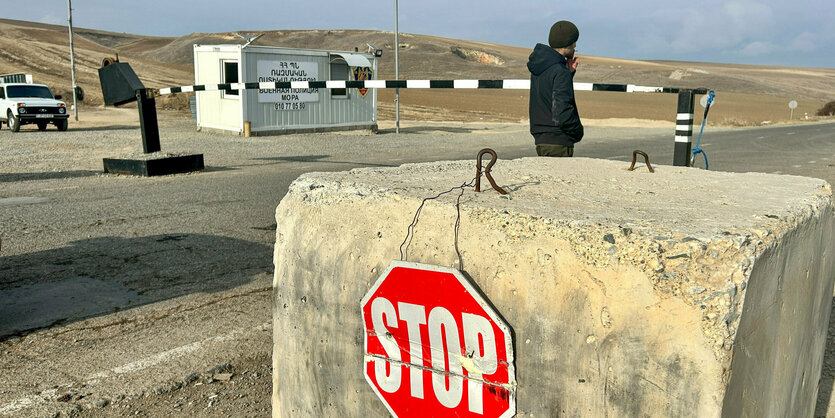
(242, 386)
(729, 109)
(746, 96)
(229, 390)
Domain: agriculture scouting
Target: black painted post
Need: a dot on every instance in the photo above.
(684, 128)
(148, 120)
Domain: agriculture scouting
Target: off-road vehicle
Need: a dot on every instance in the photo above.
(28, 103)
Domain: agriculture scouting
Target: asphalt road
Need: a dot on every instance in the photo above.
(802, 150)
(117, 287)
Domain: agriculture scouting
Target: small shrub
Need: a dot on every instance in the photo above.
(736, 122)
(827, 109)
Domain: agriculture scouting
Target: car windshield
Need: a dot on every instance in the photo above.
(41, 92)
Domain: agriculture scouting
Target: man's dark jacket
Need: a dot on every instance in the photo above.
(553, 111)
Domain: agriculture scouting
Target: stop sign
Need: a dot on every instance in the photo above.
(435, 347)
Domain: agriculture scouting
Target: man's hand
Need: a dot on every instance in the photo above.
(572, 64)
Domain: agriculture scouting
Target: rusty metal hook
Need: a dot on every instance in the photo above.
(635, 157)
(486, 170)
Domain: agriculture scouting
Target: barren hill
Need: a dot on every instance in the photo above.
(423, 57)
(43, 50)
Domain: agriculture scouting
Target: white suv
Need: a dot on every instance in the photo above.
(25, 103)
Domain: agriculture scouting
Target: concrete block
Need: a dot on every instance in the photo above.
(682, 292)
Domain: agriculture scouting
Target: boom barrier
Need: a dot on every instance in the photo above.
(684, 114)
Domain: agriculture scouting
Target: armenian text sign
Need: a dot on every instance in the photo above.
(287, 99)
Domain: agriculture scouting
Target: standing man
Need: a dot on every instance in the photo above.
(555, 123)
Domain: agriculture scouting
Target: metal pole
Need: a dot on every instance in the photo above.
(396, 71)
(684, 128)
(72, 60)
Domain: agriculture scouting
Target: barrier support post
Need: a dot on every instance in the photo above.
(684, 128)
(148, 120)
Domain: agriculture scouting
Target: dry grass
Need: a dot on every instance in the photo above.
(729, 109)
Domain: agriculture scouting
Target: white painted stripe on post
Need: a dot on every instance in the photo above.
(517, 84)
(584, 86)
(680, 138)
(417, 84)
(165, 91)
(375, 84)
(211, 87)
(684, 127)
(465, 84)
(684, 116)
(266, 85)
(188, 89)
(238, 86)
(299, 85)
(335, 84)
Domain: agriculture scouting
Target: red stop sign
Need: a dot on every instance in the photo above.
(435, 347)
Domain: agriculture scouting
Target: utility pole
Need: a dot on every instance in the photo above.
(72, 60)
(396, 71)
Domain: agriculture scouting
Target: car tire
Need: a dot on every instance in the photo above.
(41, 126)
(62, 124)
(14, 122)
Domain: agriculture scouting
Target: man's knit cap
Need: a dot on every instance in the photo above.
(563, 34)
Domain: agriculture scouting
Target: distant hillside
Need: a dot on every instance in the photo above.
(424, 57)
(43, 50)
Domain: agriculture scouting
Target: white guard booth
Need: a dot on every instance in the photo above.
(277, 111)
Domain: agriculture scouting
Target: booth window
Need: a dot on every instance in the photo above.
(230, 75)
(339, 71)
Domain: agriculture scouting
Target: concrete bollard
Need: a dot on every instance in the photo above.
(675, 293)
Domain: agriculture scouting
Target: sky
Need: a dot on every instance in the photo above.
(798, 33)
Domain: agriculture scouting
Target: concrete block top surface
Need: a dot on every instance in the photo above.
(698, 282)
(689, 201)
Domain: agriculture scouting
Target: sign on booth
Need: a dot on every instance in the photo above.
(435, 347)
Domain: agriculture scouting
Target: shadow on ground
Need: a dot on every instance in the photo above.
(108, 128)
(49, 175)
(827, 380)
(27, 129)
(102, 275)
(319, 159)
(424, 129)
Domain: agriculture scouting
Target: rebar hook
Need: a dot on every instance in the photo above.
(486, 170)
(635, 157)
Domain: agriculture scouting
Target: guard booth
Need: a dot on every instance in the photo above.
(276, 111)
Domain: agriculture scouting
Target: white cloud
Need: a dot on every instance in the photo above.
(805, 42)
(710, 28)
(731, 30)
(54, 20)
(757, 48)
(747, 17)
